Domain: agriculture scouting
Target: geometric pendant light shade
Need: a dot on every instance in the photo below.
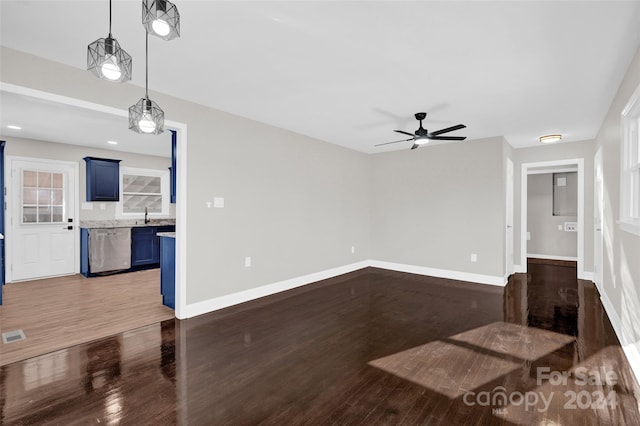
(161, 18)
(145, 116)
(107, 60)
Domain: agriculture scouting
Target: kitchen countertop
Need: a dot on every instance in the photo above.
(166, 234)
(125, 223)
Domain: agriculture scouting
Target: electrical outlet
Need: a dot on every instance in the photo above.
(247, 261)
(218, 202)
(571, 227)
(474, 257)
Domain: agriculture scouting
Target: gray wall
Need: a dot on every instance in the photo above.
(546, 238)
(63, 152)
(296, 205)
(621, 280)
(561, 151)
(435, 206)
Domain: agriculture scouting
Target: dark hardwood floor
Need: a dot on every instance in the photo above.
(368, 348)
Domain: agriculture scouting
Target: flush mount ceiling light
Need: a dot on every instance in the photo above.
(146, 116)
(107, 60)
(161, 18)
(550, 138)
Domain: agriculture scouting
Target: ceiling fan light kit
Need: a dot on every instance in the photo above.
(161, 18)
(550, 138)
(107, 60)
(422, 136)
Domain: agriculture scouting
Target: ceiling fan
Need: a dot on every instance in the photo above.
(422, 136)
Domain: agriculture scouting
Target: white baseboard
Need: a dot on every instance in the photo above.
(586, 275)
(551, 257)
(221, 302)
(216, 303)
(628, 345)
(440, 273)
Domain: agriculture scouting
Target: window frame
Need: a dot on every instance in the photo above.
(630, 165)
(164, 192)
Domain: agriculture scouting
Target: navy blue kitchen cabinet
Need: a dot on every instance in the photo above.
(168, 271)
(103, 179)
(172, 169)
(145, 247)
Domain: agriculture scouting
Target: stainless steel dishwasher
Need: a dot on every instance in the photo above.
(109, 249)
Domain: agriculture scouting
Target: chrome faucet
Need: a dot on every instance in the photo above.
(146, 216)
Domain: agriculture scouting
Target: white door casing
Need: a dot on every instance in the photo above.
(42, 198)
(509, 220)
(598, 221)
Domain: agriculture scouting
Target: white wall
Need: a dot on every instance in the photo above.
(64, 152)
(621, 272)
(546, 238)
(435, 206)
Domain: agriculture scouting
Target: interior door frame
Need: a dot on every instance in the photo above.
(509, 217)
(181, 195)
(2, 207)
(526, 170)
(75, 189)
(598, 211)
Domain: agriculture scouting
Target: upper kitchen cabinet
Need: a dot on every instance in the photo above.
(103, 179)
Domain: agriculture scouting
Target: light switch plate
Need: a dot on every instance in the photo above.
(561, 181)
(87, 206)
(218, 202)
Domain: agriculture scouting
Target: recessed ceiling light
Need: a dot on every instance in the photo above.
(14, 127)
(112, 142)
(550, 138)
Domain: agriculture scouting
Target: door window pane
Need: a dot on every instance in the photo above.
(42, 197)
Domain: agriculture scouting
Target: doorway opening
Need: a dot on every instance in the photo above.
(563, 170)
(65, 104)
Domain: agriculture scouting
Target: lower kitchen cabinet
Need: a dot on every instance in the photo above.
(168, 271)
(145, 247)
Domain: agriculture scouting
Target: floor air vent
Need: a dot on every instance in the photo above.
(13, 336)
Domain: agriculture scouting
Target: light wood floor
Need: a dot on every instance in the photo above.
(57, 313)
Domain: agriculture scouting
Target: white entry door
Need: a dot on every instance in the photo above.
(43, 239)
(509, 219)
(598, 213)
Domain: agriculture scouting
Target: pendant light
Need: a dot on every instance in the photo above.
(107, 60)
(161, 18)
(146, 116)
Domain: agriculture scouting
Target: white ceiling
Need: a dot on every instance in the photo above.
(57, 122)
(350, 73)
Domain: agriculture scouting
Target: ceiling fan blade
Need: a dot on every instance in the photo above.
(415, 145)
(387, 143)
(405, 133)
(448, 138)
(447, 130)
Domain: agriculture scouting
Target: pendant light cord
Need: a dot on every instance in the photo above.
(146, 71)
(109, 18)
